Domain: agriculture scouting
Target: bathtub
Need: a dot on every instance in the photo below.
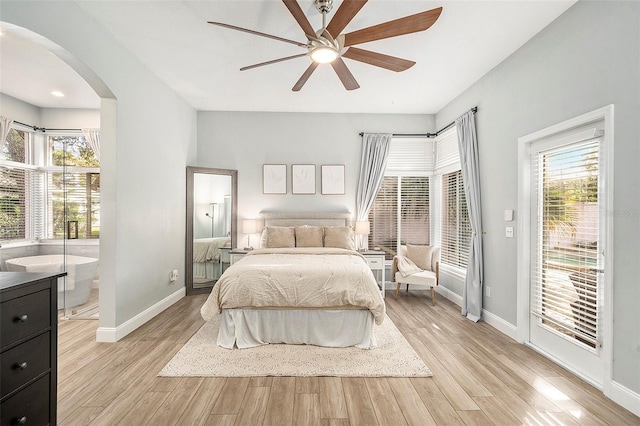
(80, 272)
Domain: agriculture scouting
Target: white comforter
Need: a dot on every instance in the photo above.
(208, 249)
(310, 278)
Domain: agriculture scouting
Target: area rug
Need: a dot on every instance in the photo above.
(201, 357)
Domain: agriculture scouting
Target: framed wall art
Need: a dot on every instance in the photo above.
(274, 178)
(332, 179)
(303, 179)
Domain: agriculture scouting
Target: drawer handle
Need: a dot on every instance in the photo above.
(19, 420)
(23, 318)
(20, 365)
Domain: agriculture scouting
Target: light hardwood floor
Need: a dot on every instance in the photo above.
(480, 377)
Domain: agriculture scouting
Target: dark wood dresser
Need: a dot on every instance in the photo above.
(28, 348)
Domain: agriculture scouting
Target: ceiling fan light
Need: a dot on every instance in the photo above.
(324, 55)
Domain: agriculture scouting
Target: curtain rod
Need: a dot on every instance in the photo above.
(42, 129)
(426, 135)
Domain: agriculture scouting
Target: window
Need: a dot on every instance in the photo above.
(455, 231)
(454, 234)
(565, 182)
(18, 188)
(423, 187)
(15, 148)
(400, 213)
(73, 191)
(71, 150)
(65, 190)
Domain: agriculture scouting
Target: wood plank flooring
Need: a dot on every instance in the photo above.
(480, 377)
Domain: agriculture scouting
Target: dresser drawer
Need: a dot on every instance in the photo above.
(32, 405)
(24, 362)
(375, 263)
(24, 316)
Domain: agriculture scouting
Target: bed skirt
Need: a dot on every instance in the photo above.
(246, 328)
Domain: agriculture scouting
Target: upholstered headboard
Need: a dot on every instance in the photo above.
(306, 218)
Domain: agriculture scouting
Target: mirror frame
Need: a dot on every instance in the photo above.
(191, 171)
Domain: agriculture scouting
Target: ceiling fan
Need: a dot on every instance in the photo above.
(327, 45)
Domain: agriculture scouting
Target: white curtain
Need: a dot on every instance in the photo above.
(5, 125)
(375, 151)
(468, 147)
(93, 139)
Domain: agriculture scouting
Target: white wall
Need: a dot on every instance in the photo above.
(246, 140)
(148, 137)
(69, 118)
(586, 59)
(17, 110)
(52, 118)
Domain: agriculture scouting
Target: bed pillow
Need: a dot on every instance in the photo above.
(263, 238)
(308, 236)
(421, 255)
(281, 237)
(339, 237)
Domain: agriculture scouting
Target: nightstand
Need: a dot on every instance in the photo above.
(236, 254)
(375, 259)
(225, 258)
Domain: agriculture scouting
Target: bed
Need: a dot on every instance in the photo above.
(206, 258)
(305, 285)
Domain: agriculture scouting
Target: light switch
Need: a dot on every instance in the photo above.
(509, 232)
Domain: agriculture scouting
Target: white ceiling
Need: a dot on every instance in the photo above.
(201, 62)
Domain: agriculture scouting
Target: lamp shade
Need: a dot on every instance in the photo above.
(362, 228)
(249, 226)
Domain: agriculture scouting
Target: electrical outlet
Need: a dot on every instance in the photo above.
(509, 231)
(173, 276)
(487, 291)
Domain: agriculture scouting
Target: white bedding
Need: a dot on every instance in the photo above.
(208, 249)
(308, 278)
(247, 328)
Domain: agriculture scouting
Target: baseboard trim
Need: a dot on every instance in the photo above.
(450, 295)
(113, 334)
(625, 397)
(499, 324)
(619, 394)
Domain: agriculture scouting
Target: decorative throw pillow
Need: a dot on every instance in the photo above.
(339, 237)
(263, 238)
(421, 256)
(281, 237)
(308, 236)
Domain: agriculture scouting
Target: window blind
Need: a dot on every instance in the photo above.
(400, 213)
(414, 210)
(564, 284)
(455, 231)
(20, 196)
(413, 155)
(13, 203)
(447, 149)
(383, 217)
(73, 201)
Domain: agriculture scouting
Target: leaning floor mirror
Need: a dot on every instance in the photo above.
(211, 225)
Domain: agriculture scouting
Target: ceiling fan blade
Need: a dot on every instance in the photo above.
(345, 13)
(407, 25)
(344, 74)
(378, 59)
(274, 61)
(305, 77)
(233, 27)
(300, 17)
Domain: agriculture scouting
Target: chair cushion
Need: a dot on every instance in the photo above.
(426, 278)
(421, 256)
